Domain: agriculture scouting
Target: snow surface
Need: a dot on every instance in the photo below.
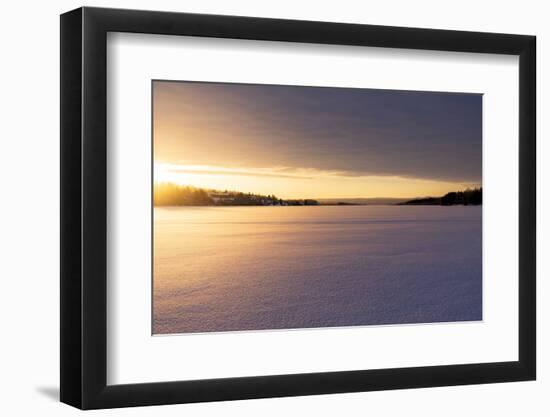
(254, 268)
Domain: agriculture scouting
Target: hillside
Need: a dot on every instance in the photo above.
(464, 198)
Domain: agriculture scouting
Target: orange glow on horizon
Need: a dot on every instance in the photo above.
(302, 183)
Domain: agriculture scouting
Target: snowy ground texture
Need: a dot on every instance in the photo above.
(253, 268)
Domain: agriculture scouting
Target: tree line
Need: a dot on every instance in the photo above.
(468, 197)
(168, 194)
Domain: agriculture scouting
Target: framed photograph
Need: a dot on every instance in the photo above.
(258, 208)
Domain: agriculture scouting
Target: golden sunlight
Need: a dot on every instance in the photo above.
(300, 183)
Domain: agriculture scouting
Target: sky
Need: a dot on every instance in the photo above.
(316, 142)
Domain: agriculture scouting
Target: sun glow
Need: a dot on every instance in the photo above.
(163, 173)
(287, 182)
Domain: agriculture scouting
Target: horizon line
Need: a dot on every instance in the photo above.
(314, 198)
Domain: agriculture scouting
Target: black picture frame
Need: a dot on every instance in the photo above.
(84, 207)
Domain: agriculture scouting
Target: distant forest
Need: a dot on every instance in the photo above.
(168, 194)
(467, 197)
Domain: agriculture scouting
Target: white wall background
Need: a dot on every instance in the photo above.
(29, 225)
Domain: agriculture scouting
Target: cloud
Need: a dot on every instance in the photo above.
(354, 132)
(253, 172)
(272, 172)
